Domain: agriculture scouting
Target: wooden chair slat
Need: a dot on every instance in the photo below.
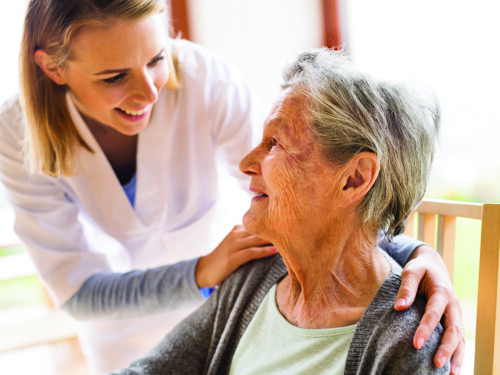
(487, 357)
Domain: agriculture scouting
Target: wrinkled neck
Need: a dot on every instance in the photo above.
(331, 279)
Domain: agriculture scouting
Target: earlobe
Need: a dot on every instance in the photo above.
(45, 62)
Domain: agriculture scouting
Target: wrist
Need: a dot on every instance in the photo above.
(428, 255)
(424, 250)
(199, 274)
(203, 275)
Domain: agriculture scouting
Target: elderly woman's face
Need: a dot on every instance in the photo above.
(292, 181)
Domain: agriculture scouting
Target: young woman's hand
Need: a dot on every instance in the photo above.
(237, 248)
(427, 274)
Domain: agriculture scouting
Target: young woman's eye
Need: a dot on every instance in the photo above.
(115, 79)
(156, 60)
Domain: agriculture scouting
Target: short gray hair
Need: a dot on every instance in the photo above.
(350, 112)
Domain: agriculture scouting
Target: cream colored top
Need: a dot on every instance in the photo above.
(271, 345)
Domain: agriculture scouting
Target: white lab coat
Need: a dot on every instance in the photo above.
(76, 226)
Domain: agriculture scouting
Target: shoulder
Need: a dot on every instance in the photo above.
(195, 62)
(384, 336)
(10, 112)
(10, 104)
(11, 122)
(254, 277)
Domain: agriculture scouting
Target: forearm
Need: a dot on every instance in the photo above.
(135, 293)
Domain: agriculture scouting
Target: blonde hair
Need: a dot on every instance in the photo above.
(51, 137)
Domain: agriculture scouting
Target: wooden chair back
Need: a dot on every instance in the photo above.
(436, 226)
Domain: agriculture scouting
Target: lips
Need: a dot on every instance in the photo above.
(257, 192)
(131, 112)
(133, 116)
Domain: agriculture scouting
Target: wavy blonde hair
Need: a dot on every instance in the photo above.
(51, 137)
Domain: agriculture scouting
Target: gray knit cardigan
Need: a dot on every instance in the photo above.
(205, 342)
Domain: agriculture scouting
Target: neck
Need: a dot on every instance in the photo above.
(119, 149)
(331, 280)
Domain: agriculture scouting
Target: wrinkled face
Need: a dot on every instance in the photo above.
(291, 179)
(116, 73)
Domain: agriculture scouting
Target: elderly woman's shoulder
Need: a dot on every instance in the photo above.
(253, 278)
(271, 267)
(384, 336)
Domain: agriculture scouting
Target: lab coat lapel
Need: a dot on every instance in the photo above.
(98, 188)
(152, 187)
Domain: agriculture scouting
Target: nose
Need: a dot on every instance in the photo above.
(250, 164)
(145, 90)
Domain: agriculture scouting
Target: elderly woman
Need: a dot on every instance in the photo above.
(342, 158)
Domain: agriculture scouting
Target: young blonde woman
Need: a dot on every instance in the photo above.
(110, 157)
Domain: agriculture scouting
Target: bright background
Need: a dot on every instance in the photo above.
(451, 45)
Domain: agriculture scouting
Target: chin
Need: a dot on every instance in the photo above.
(248, 223)
(132, 130)
(253, 225)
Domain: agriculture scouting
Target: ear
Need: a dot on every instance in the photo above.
(359, 176)
(45, 62)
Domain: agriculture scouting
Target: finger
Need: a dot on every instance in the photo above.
(239, 239)
(239, 232)
(252, 253)
(252, 241)
(410, 280)
(432, 316)
(453, 336)
(458, 357)
(450, 341)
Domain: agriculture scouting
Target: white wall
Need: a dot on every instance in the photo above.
(258, 37)
(453, 46)
(11, 24)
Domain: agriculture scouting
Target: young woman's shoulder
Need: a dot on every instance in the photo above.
(11, 121)
(195, 61)
(10, 109)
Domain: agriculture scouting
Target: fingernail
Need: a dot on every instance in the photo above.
(441, 361)
(420, 343)
(400, 302)
(455, 370)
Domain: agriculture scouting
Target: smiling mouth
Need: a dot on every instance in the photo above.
(260, 195)
(132, 113)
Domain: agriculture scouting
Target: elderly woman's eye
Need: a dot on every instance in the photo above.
(274, 142)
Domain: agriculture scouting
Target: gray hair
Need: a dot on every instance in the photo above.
(350, 112)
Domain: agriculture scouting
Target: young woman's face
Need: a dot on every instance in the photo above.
(116, 73)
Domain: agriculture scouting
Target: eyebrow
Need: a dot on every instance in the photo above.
(115, 71)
